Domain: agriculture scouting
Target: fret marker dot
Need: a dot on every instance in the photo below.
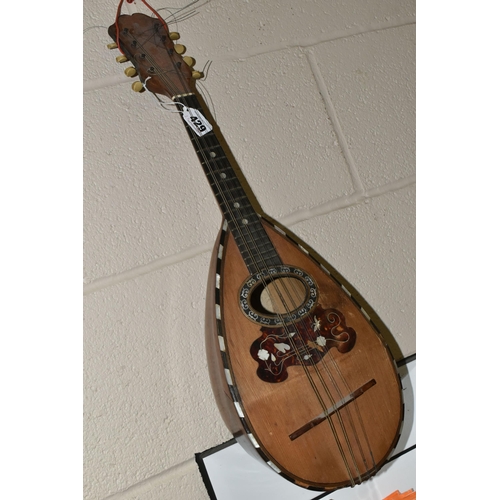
(236, 205)
(245, 221)
(222, 176)
(212, 154)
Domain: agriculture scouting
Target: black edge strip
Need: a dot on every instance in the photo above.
(401, 453)
(263, 455)
(225, 362)
(215, 449)
(323, 495)
(204, 476)
(234, 393)
(355, 301)
(408, 359)
(219, 329)
(199, 457)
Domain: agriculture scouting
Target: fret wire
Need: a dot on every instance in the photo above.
(255, 244)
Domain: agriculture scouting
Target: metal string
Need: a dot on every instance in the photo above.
(260, 267)
(285, 304)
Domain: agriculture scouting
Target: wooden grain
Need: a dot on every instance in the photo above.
(366, 429)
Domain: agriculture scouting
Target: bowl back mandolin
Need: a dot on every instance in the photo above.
(300, 372)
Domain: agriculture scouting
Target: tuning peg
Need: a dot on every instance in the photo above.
(197, 75)
(121, 59)
(179, 48)
(131, 72)
(173, 35)
(112, 46)
(189, 61)
(138, 87)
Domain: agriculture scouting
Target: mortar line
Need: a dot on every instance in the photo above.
(102, 83)
(316, 40)
(335, 121)
(135, 272)
(289, 220)
(346, 201)
(98, 83)
(160, 479)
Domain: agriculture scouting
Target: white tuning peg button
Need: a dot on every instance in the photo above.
(189, 61)
(179, 48)
(131, 72)
(137, 87)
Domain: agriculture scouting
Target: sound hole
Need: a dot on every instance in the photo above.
(279, 296)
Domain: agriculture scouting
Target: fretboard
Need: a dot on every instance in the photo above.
(243, 221)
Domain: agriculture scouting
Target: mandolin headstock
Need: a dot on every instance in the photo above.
(147, 43)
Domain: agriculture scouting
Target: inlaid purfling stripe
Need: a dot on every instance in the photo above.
(229, 379)
(325, 269)
(274, 467)
(279, 230)
(222, 345)
(238, 409)
(253, 440)
(365, 314)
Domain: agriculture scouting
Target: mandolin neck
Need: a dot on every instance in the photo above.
(243, 221)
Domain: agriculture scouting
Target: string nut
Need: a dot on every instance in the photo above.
(131, 72)
(112, 46)
(121, 59)
(173, 35)
(137, 87)
(179, 48)
(197, 75)
(189, 61)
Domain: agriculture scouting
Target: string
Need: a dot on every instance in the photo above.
(336, 387)
(241, 229)
(347, 410)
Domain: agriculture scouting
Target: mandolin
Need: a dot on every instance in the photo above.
(299, 369)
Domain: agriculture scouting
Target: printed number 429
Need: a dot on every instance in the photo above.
(198, 123)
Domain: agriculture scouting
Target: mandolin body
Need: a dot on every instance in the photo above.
(340, 451)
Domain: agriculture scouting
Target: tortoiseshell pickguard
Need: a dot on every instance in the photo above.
(302, 343)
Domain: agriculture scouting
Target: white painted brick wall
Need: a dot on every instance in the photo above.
(316, 100)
